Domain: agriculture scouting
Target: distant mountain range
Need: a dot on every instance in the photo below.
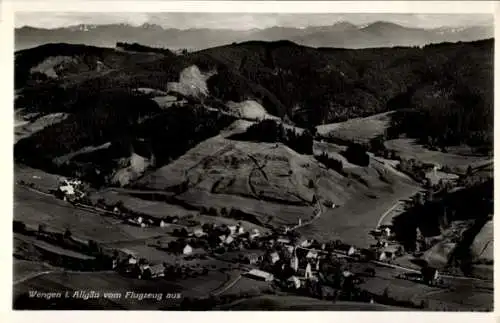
(342, 34)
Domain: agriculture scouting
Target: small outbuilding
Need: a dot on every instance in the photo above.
(187, 250)
(294, 282)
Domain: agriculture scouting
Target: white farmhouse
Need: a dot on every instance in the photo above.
(308, 271)
(187, 250)
(294, 281)
(274, 257)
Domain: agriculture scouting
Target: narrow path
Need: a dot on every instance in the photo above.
(250, 184)
(35, 190)
(231, 284)
(60, 271)
(259, 167)
(316, 216)
(387, 212)
(34, 275)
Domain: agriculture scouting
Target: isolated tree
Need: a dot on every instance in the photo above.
(356, 154)
(42, 228)
(119, 205)
(213, 211)
(427, 183)
(430, 195)
(93, 246)
(445, 221)
(419, 199)
(67, 234)
(385, 294)
(19, 226)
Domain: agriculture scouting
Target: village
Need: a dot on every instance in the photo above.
(280, 257)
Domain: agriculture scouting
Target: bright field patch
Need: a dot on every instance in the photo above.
(358, 129)
(408, 148)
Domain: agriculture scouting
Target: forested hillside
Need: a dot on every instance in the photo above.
(443, 93)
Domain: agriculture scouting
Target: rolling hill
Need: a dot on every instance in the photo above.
(305, 85)
(151, 119)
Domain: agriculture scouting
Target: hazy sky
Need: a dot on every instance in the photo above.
(244, 21)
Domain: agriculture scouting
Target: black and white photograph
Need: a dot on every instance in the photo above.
(253, 161)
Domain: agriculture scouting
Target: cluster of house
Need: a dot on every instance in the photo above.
(215, 236)
(139, 268)
(298, 262)
(70, 190)
(140, 220)
(144, 222)
(223, 235)
(385, 249)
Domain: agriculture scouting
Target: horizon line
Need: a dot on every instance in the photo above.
(359, 26)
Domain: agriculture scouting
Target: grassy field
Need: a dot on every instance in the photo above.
(202, 286)
(408, 148)
(257, 178)
(156, 209)
(462, 295)
(25, 268)
(21, 240)
(301, 303)
(482, 246)
(43, 181)
(270, 182)
(203, 218)
(246, 285)
(353, 221)
(437, 298)
(24, 130)
(249, 109)
(112, 282)
(461, 299)
(482, 249)
(360, 130)
(33, 209)
(259, 211)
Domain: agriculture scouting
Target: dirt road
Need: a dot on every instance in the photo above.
(33, 275)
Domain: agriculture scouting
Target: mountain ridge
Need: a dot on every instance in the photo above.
(341, 34)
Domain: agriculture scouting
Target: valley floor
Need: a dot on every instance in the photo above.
(224, 277)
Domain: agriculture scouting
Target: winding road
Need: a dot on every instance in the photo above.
(387, 212)
(227, 286)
